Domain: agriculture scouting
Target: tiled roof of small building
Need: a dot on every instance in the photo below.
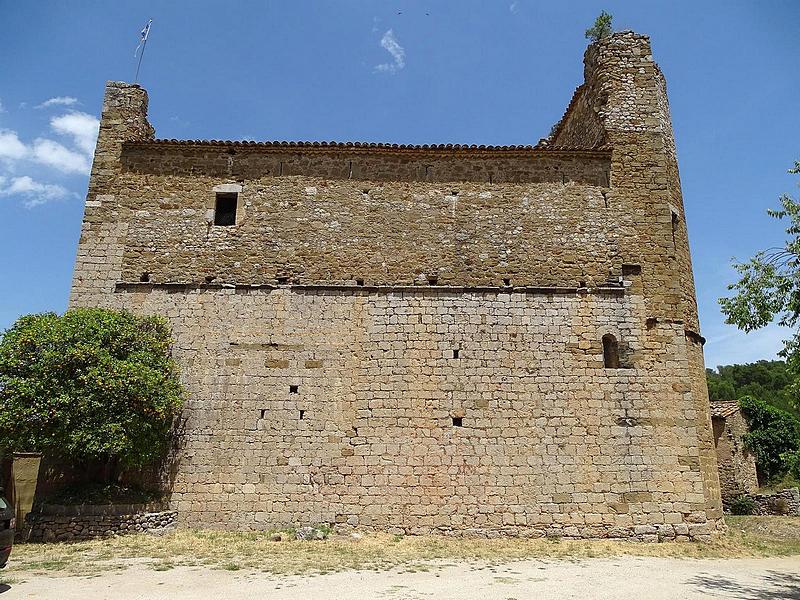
(722, 409)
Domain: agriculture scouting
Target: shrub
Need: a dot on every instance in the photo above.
(601, 27)
(91, 384)
(774, 434)
(101, 493)
(743, 505)
(792, 461)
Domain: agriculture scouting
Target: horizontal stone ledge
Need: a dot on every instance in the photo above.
(135, 286)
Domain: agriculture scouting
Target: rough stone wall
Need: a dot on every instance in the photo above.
(243, 160)
(581, 126)
(313, 231)
(737, 467)
(317, 336)
(784, 502)
(98, 265)
(70, 528)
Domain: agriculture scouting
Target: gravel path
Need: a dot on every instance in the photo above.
(620, 578)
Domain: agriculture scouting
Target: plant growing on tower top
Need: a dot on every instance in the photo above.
(601, 27)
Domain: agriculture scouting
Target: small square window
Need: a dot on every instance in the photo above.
(294, 389)
(458, 421)
(225, 209)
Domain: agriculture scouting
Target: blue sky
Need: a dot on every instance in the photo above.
(464, 71)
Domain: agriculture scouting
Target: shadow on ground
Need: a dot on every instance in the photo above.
(772, 586)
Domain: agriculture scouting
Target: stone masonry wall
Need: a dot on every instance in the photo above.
(550, 441)
(737, 467)
(251, 160)
(379, 347)
(784, 502)
(69, 528)
(314, 231)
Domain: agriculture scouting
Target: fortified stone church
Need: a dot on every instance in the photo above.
(422, 338)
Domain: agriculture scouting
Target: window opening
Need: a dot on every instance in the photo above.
(674, 230)
(610, 352)
(225, 209)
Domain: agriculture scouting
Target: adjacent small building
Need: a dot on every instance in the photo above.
(737, 466)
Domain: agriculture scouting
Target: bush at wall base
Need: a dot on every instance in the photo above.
(92, 384)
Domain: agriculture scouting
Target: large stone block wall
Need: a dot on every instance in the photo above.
(354, 273)
(550, 441)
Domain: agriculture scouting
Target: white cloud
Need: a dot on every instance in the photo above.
(53, 154)
(34, 193)
(514, 8)
(59, 101)
(2, 108)
(81, 127)
(11, 148)
(71, 155)
(391, 45)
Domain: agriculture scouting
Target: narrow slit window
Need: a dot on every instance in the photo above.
(674, 230)
(225, 209)
(610, 352)
(455, 352)
(302, 414)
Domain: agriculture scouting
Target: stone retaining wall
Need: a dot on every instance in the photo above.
(71, 525)
(786, 502)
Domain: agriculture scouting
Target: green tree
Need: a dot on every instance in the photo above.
(767, 380)
(93, 384)
(769, 285)
(774, 437)
(601, 28)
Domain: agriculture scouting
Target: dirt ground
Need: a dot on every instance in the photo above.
(758, 559)
(621, 578)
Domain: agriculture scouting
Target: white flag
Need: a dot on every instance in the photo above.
(143, 37)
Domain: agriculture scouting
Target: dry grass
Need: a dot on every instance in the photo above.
(748, 537)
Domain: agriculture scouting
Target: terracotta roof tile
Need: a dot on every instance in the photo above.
(369, 145)
(724, 408)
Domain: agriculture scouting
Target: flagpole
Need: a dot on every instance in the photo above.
(144, 46)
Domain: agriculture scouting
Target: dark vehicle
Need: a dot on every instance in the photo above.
(7, 525)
